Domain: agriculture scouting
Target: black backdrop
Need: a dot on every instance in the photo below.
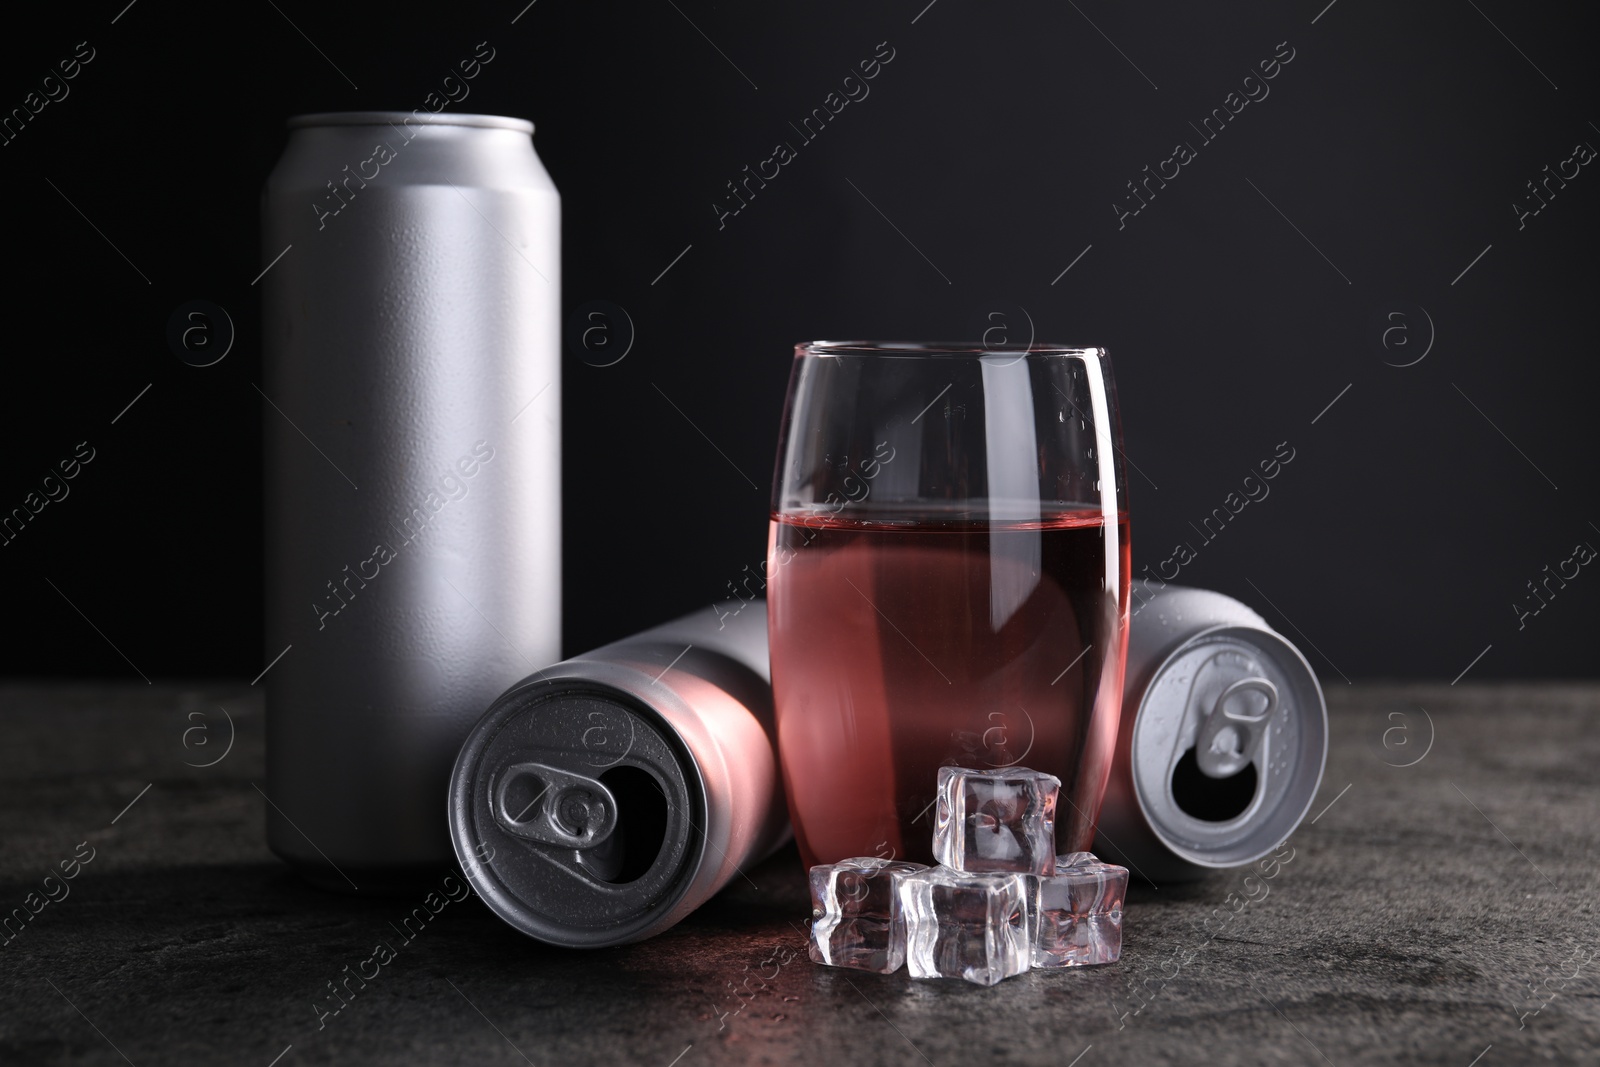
(1296, 260)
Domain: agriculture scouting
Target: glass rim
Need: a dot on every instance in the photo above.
(939, 349)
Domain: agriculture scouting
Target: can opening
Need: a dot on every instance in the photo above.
(631, 850)
(1212, 799)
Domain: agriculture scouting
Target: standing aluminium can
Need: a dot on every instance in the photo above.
(412, 446)
(1223, 739)
(604, 798)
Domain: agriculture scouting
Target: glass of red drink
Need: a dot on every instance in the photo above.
(947, 570)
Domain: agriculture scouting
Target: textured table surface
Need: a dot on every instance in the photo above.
(1444, 912)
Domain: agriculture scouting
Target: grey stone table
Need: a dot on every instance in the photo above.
(1443, 912)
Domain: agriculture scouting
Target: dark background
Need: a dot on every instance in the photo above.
(1416, 510)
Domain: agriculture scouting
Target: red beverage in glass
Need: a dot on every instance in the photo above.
(974, 643)
(947, 584)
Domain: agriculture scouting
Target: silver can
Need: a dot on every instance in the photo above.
(1223, 738)
(604, 798)
(412, 446)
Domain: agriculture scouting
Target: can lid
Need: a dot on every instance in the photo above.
(1228, 745)
(415, 118)
(573, 811)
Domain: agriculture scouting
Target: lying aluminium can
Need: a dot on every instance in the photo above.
(602, 799)
(412, 442)
(1223, 739)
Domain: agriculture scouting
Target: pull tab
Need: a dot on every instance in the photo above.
(1229, 739)
(553, 806)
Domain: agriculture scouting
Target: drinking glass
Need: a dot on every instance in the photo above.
(947, 569)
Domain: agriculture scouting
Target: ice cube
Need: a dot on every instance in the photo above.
(996, 820)
(1076, 914)
(961, 924)
(856, 914)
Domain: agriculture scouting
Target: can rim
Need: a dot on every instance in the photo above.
(418, 118)
(1211, 633)
(492, 885)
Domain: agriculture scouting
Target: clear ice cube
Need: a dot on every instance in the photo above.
(996, 820)
(968, 925)
(856, 914)
(1075, 915)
